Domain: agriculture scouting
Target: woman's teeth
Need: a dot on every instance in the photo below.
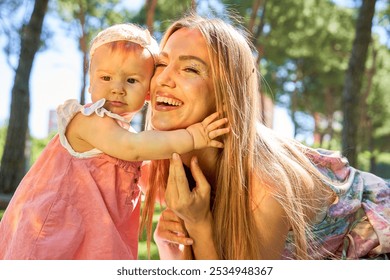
(168, 101)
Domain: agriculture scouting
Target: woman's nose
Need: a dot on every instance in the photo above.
(164, 77)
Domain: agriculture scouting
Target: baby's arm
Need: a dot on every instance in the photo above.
(85, 133)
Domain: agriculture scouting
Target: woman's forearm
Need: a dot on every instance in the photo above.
(202, 233)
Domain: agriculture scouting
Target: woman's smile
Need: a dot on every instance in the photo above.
(167, 103)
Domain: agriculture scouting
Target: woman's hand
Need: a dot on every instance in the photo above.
(192, 207)
(171, 237)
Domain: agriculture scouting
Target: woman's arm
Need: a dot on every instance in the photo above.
(87, 132)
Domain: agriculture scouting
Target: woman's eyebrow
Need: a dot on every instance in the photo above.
(186, 58)
(191, 57)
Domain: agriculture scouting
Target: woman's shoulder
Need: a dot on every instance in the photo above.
(270, 218)
(264, 202)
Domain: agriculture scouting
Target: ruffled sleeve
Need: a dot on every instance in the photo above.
(65, 114)
(69, 109)
(99, 110)
(333, 166)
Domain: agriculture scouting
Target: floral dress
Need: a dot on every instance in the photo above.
(74, 205)
(357, 225)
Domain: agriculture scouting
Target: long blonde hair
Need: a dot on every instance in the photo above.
(250, 149)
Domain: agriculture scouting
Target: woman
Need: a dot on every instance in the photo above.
(262, 196)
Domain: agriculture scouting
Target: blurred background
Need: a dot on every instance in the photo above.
(325, 66)
(304, 49)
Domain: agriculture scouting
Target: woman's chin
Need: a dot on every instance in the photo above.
(165, 125)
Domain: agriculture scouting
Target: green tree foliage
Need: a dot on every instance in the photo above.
(37, 146)
(3, 134)
(166, 12)
(304, 48)
(11, 28)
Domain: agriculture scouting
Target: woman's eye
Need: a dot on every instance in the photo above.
(131, 80)
(191, 70)
(106, 78)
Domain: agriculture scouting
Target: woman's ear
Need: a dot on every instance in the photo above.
(147, 97)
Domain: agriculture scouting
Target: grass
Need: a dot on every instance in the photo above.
(1, 214)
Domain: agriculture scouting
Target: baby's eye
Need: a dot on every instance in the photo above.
(131, 80)
(106, 78)
(160, 64)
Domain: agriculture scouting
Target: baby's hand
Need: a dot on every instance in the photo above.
(205, 132)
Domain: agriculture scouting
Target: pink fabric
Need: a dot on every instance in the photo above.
(73, 208)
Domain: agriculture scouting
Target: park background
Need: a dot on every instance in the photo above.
(304, 50)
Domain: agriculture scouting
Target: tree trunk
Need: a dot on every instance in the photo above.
(366, 118)
(150, 9)
(85, 73)
(13, 162)
(255, 8)
(83, 45)
(317, 134)
(329, 113)
(294, 106)
(353, 80)
(266, 106)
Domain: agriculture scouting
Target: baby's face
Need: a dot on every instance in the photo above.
(121, 77)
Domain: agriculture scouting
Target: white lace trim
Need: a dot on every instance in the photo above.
(68, 110)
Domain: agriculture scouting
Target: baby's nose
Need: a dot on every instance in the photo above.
(118, 88)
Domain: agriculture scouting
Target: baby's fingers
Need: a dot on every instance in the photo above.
(210, 119)
(218, 132)
(215, 144)
(216, 124)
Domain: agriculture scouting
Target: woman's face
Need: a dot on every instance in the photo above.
(182, 92)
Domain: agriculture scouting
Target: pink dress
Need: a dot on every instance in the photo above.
(74, 205)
